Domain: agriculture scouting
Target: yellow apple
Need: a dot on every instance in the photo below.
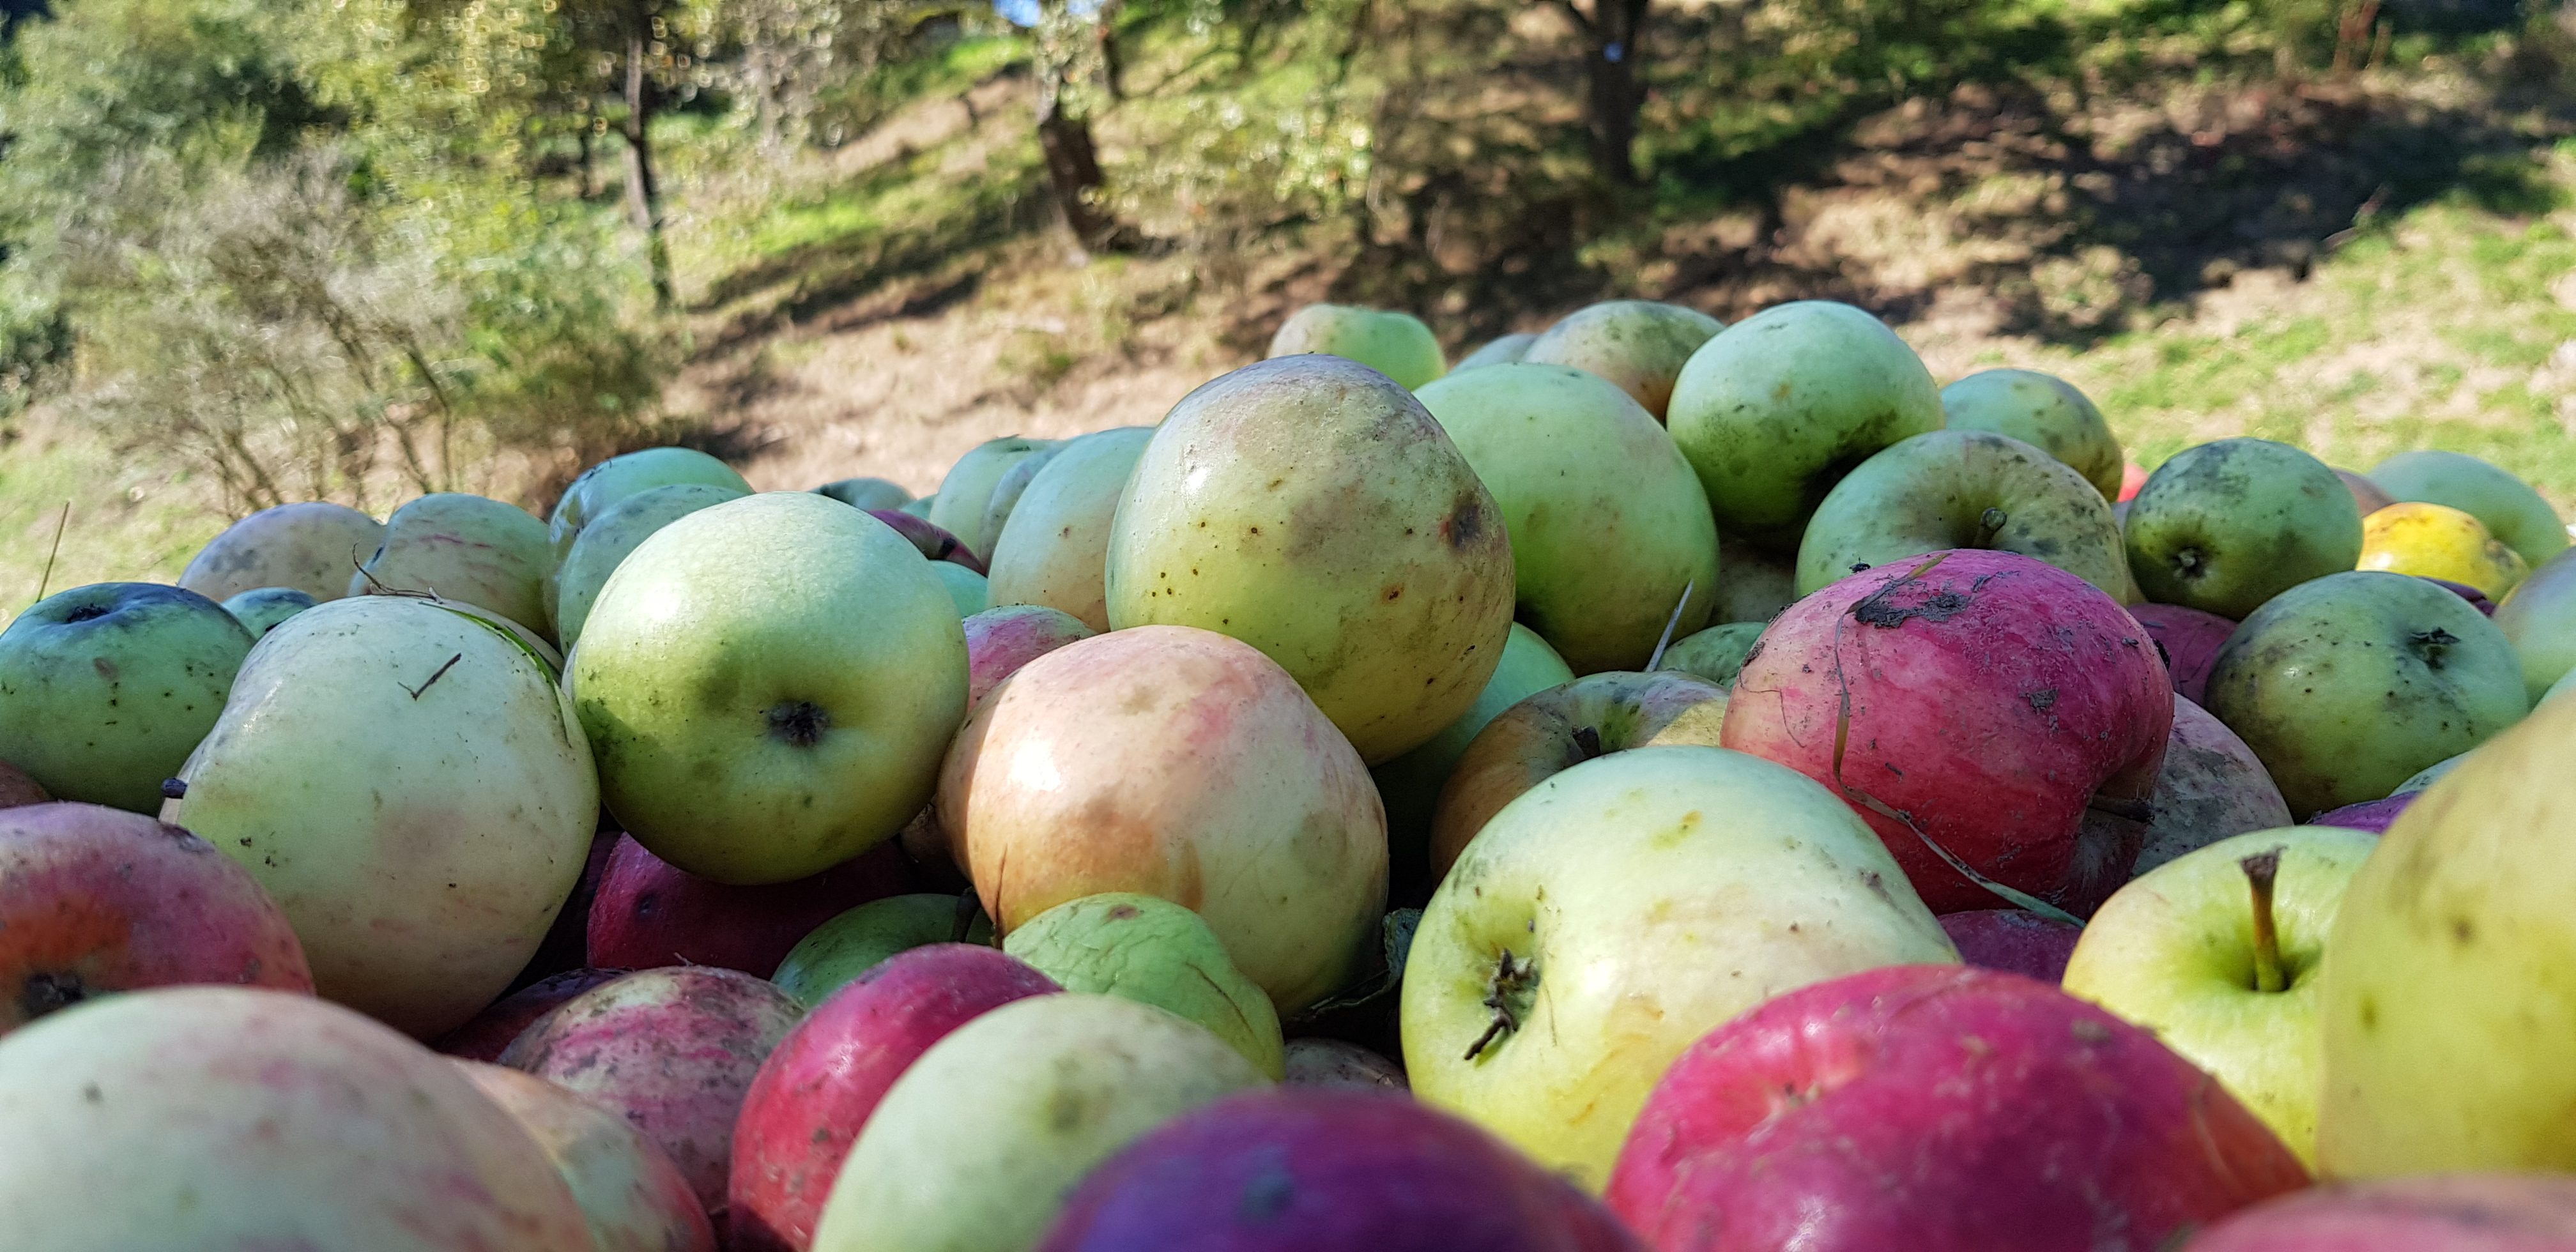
(2437, 541)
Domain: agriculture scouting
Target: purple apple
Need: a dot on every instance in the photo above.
(2016, 941)
(651, 913)
(2477, 599)
(2190, 640)
(2373, 816)
(935, 542)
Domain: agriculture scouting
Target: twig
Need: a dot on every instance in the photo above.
(442, 673)
(46, 583)
(1670, 625)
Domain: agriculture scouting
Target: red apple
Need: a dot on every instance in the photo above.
(2190, 640)
(1974, 702)
(2016, 941)
(1001, 640)
(651, 913)
(1311, 1170)
(672, 1050)
(489, 1034)
(2374, 816)
(1937, 1109)
(96, 900)
(810, 1099)
(2132, 477)
(2433, 1213)
(630, 1193)
(17, 789)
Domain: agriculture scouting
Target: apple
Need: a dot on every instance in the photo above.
(463, 547)
(2539, 618)
(2366, 495)
(189, 1118)
(2442, 543)
(1609, 528)
(2190, 641)
(2225, 526)
(866, 493)
(1560, 728)
(1500, 350)
(1619, 910)
(672, 1051)
(1755, 583)
(2347, 685)
(410, 788)
(1153, 952)
(310, 546)
(651, 913)
(2016, 941)
(2506, 504)
(823, 1081)
(489, 1033)
(2044, 411)
(1640, 346)
(1054, 549)
(1318, 1062)
(98, 900)
(977, 1145)
(2370, 816)
(601, 486)
(2477, 599)
(1183, 764)
(966, 494)
(1974, 706)
(262, 607)
(1396, 345)
(18, 790)
(2430, 774)
(768, 684)
(1007, 491)
(1410, 784)
(631, 1195)
(567, 941)
(1304, 1170)
(1314, 510)
(1001, 640)
(1778, 407)
(1963, 489)
(610, 537)
(2211, 787)
(932, 542)
(919, 508)
(2133, 479)
(840, 950)
(2441, 1213)
(2218, 953)
(1715, 654)
(105, 689)
(1938, 1109)
(968, 592)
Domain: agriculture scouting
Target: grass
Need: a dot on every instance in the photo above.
(125, 524)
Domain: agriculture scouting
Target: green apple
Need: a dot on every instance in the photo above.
(921, 508)
(866, 493)
(968, 590)
(854, 942)
(1619, 911)
(1716, 654)
(1154, 952)
(1315, 510)
(2347, 685)
(2044, 411)
(1964, 489)
(310, 546)
(1755, 583)
(611, 535)
(2539, 617)
(105, 689)
(464, 547)
(1498, 351)
(1410, 784)
(2512, 511)
(963, 498)
(603, 485)
(1778, 407)
(2225, 526)
(1639, 345)
(1054, 548)
(977, 1146)
(768, 684)
(1397, 345)
(1007, 491)
(2219, 953)
(2452, 992)
(263, 607)
(1609, 528)
(408, 783)
(2431, 774)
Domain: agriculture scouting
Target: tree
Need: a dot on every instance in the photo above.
(1071, 48)
(1611, 34)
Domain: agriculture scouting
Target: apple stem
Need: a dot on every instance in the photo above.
(1990, 524)
(2261, 869)
(1512, 977)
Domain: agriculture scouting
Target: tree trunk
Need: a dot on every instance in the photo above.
(1073, 170)
(1611, 104)
(643, 200)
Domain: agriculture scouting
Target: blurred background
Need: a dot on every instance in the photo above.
(266, 250)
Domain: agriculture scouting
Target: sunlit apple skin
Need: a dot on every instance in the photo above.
(2512, 511)
(1992, 697)
(2044, 411)
(1963, 489)
(1395, 344)
(651, 913)
(2189, 639)
(2211, 787)
(866, 493)
(966, 494)
(490, 1032)
(2435, 1213)
(2016, 941)
(2174, 952)
(2539, 618)
(95, 900)
(105, 689)
(1410, 784)
(1054, 549)
(1645, 897)
(1001, 640)
(2225, 526)
(630, 1193)
(1152, 951)
(601, 486)
(1639, 346)
(813, 1095)
(609, 539)
(464, 547)
(1007, 491)
(1501, 350)
(261, 608)
(1300, 1170)
(2452, 990)
(310, 546)
(1938, 1109)
(2439, 542)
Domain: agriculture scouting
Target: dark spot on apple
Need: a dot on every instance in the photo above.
(87, 612)
(2369, 1013)
(800, 723)
(2041, 701)
(1465, 523)
(1124, 912)
(45, 992)
(648, 903)
(1267, 1194)
(2090, 1031)
(2463, 929)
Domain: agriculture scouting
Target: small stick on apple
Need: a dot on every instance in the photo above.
(2261, 869)
(1512, 977)
(1670, 624)
(60, 525)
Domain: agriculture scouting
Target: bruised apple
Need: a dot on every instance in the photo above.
(310, 546)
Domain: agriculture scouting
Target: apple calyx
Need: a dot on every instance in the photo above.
(2431, 645)
(1990, 524)
(44, 993)
(2187, 563)
(1587, 742)
(799, 722)
(86, 612)
(1508, 994)
(2261, 870)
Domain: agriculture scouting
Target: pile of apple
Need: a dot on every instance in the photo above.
(1765, 800)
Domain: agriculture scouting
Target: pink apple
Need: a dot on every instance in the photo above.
(2190, 640)
(812, 1096)
(2435, 1213)
(651, 913)
(1971, 701)
(1937, 1108)
(2132, 477)
(1309, 1170)
(491, 1031)
(2374, 816)
(17, 789)
(96, 900)
(672, 1050)
(2016, 941)
(1001, 640)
